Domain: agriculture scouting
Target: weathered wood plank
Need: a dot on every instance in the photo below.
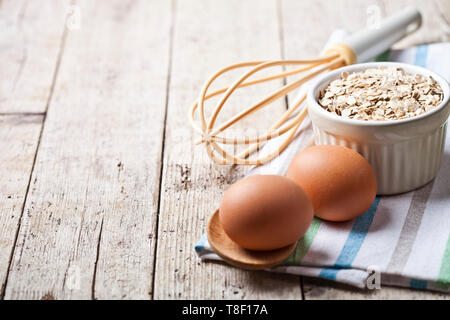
(304, 36)
(19, 137)
(316, 289)
(433, 13)
(30, 41)
(88, 229)
(209, 35)
(298, 19)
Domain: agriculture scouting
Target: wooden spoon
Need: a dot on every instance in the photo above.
(239, 257)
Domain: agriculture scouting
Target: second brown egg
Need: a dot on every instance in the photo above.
(340, 182)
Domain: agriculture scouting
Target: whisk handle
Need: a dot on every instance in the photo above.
(369, 43)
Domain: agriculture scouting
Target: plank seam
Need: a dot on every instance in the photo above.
(50, 96)
(302, 288)
(25, 114)
(94, 275)
(166, 107)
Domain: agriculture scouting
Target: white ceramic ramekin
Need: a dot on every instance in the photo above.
(406, 153)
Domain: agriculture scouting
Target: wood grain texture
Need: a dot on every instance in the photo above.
(350, 15)
(316, 289)
(19, 137)
(435, 27)
(208, 35)
(30, 41)
(88, 230)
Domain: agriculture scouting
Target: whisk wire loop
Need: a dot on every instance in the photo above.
(210, 134)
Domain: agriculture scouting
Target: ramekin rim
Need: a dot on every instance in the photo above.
(312, 102)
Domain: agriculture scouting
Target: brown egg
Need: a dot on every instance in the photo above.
(340, 182)
(265, 212)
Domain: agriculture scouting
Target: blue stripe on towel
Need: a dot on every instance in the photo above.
(328, 273)
(353, 243)
(418, 284)
(421, 55)
(200, 246)
(356, 237)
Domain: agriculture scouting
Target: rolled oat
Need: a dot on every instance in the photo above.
(381, 94)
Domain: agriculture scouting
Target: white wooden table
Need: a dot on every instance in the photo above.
(101, 193)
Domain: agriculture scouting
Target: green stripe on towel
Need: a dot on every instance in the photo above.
(304, 244)
(444, 274)
(383, 56)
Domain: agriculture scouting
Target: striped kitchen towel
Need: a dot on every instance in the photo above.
(405, 239)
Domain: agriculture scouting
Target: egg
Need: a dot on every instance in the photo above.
(340, 182)
(265, 212)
